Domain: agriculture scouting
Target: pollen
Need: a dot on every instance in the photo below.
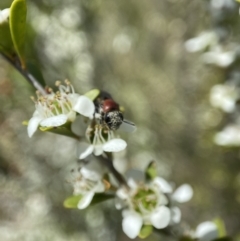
(55, 103)
(58, 83)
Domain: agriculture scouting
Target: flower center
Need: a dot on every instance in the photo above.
(99, 135)
(144, 200)
(82, 185)
(57, 103)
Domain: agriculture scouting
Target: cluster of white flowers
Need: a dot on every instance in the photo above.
(223, 54)
(215, 54)
(56, 109)
(150, 203)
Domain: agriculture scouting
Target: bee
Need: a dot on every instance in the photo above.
(109, 112)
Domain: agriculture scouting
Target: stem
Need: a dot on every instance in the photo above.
(24, 72)
(108, 162)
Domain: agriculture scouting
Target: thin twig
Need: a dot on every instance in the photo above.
(108, 162)
(29, 77)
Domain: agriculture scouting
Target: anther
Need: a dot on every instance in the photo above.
(58, 83)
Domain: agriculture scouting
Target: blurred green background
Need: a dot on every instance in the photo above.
(134, 50)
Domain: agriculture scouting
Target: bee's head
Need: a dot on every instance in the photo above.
(113, 119)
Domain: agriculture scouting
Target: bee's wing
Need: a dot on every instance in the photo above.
(127, 126)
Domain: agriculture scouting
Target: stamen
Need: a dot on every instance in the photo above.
(96, 137)
(56, 109)
(110, 135)
(73, 91)
(101, 136)
(62, 89)
(67, 82)
(33, 99)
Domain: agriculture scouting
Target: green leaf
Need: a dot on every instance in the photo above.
(223, 239)
(151, 171)
(92, 94)
(72, 202)
(64, 130)
(17, 21)
(146, 230)
(184, 238)
(101, 197)
(35, 71)
(221, 227)
(6, 43)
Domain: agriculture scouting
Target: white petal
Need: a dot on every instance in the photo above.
(132, 223)
(86, 200)
(84, 150)
(206, 231)
(163, 199)
(183, 193)
(84, 106)
(57, 120)
(127, 126)
(73, 98)
(119, 203)
(115, 145)
(164, 186)
(71, 116)
(98, 150)
(132, 184)
(33, 125)
(161, 217)
(176, 214)
(122, 193)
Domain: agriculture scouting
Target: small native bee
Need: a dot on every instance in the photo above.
(109, 112)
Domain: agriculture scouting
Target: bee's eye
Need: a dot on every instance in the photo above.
(107, 119)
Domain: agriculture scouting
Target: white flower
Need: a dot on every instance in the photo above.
(223, 4)
(4, 15)
(229, 136)
(100, 140)
(206, 231)
(87, 181)
(201, 42)
(224, 97)
(55, 109)
(146, 204)
(219, 57)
